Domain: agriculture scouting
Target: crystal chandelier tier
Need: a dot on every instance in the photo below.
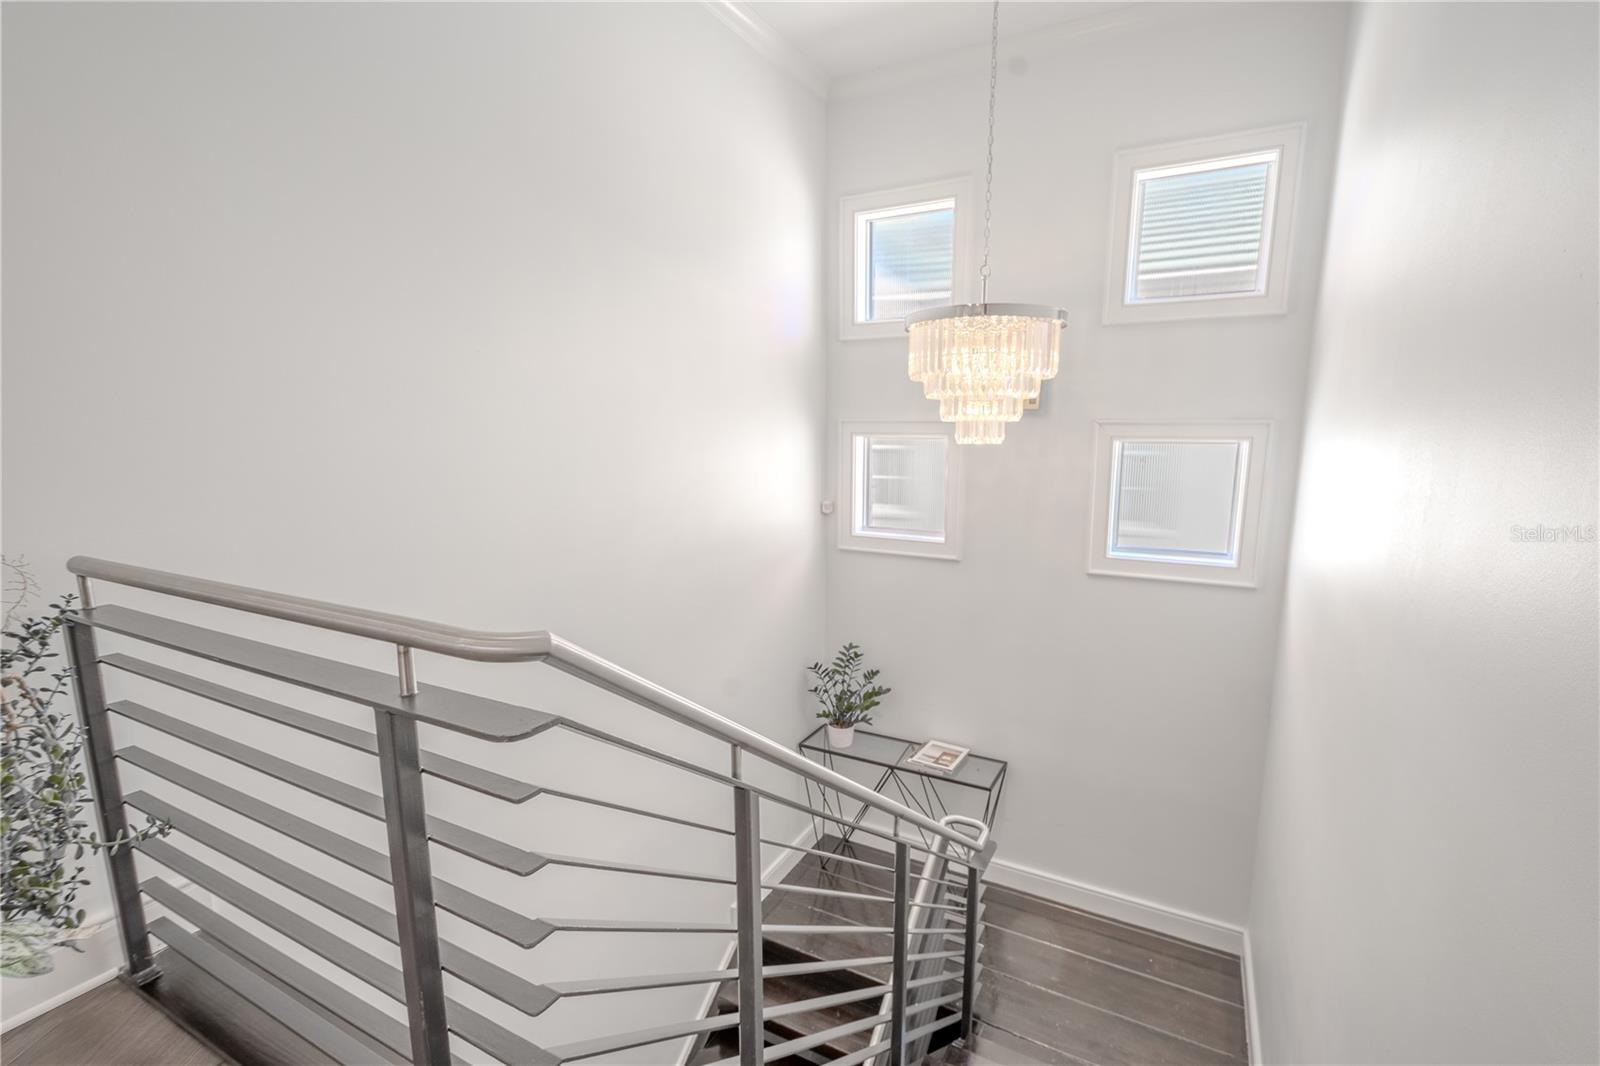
(983, 362)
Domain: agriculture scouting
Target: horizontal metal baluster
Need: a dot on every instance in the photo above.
(855, 1058)
(469, 842)
(502, 984)
(603, 985)
(518, 928)
(775, 1052)
(329, 995)
(850, 860)
(807, 890)
(386, 978)
(592, 801)
(712, 775)
(455, 771)
(584, 1049)
(460, 712)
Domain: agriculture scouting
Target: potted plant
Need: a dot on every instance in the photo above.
(847, 694)
(44, 791)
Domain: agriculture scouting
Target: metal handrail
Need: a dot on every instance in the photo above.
(487, 646)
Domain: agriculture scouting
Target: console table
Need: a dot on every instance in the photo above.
(917, 786)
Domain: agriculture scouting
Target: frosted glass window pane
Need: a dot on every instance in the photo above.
(900, 486)
(1201, 229)
(910, 261)
(1176, 498)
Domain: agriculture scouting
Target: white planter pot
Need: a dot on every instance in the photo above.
(841, 738)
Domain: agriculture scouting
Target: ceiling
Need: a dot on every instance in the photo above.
(844, 39)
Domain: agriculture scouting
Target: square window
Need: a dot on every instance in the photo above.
(1201, 229)
(902, 481)
(1177, 501)
(899, 486)
(906, 259)
(901, 250)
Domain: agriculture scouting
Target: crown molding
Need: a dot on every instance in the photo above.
(770, 44)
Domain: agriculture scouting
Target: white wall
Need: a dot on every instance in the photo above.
(503, 315)
(1425, 885)
(1134, 711)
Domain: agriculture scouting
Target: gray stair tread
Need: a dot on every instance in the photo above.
(461, 712)
(465, 774)
(328, 1038)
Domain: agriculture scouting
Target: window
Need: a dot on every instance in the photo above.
(905, 259)
(1177, 501)
(902, 480)
(902, 252)
(1201, 228)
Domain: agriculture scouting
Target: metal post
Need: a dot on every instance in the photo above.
(407, 669)
(399, 764)
(897, 989)
(747, 876)
(101, 760)
(969, 960)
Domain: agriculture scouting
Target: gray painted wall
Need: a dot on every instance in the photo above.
(1425, 885)
(503, 315)
(1135, 710)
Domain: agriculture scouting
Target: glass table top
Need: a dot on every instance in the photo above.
(880, 749)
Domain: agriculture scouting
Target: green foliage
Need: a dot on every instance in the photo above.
(44, 789)
(846, 693)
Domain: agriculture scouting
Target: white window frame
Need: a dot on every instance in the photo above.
(887, 543)
(1249, 504)
(852, 278)
(1282, 186)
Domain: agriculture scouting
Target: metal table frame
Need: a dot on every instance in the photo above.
(925, 781)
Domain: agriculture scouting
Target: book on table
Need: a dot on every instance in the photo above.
(938, 755)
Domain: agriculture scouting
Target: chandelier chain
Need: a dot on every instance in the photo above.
(988, 181)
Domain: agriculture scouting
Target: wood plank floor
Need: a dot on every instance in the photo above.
(1060, 985)
(111, 1024)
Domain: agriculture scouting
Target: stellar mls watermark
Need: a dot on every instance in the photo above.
(1543, 533)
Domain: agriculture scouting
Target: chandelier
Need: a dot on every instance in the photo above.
(983, 362)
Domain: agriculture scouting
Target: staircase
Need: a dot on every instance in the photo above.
(833, 1027)
(860, 955)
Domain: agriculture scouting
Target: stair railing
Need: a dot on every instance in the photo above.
(344, 1026)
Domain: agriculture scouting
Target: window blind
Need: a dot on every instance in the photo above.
(910, 261)
(1176, 497)
(901, 486)
(1201, 232)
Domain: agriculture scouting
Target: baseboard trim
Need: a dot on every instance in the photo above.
(10, 1022)
(1118, 906)
(1251, 1018)
(105, 941)
(1185, 925)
